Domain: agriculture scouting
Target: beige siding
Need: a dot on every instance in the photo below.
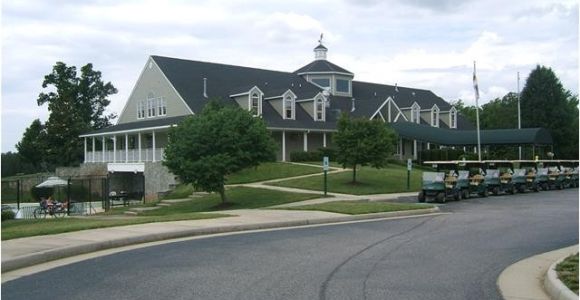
(308, 107)
(277, 105)
(242, 101)
(153, 81)
(444, 118)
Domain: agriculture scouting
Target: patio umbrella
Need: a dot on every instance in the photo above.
(52, 182)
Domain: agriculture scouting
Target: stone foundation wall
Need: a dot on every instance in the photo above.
(157, 179)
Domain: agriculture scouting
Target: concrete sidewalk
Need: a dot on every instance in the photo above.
(24, 252)
(525, 279)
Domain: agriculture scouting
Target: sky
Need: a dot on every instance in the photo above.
(426, 44)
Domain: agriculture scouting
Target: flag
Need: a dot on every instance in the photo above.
(475, 87)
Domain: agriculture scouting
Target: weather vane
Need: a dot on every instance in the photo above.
(320, 40)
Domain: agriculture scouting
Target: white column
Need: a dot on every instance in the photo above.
(415, 149)
(401, 148)
(324, 139)
(153, 146)
(85, 141)
(103, 149)
(305, 141)
(283, 145)
(139, 146)
(93, 149)
(114, 148)
(126, 147)
(428, 146)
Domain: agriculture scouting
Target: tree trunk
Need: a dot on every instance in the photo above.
(223, 195)
(354, 173)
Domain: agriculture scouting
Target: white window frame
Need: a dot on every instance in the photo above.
(140, 109)
(453, 118)
(161, 106)
(288, 102)
(320, 100)
(348, 86)
(252, 96)
(415, 113)
(435, 116)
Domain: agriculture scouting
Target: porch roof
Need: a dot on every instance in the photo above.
(136, 126)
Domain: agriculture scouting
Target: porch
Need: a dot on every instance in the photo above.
(128, 147)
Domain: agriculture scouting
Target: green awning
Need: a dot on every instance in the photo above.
(454, 137)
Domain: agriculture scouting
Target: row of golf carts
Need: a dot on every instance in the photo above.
(462, 179)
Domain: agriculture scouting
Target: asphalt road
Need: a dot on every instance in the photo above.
(452, 256)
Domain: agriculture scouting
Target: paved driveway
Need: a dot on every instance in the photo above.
(452, 256)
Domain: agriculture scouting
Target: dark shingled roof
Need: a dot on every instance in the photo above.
(451, 137)
(320, 46)
(321, 65)
(186, 76)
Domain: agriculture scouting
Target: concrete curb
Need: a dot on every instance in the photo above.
(556, 288)
(64, 252)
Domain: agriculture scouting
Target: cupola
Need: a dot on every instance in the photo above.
(320, 52)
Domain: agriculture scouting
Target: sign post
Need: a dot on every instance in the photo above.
(409, 168)
(325, 168)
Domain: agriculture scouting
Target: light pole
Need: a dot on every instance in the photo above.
(519, 116)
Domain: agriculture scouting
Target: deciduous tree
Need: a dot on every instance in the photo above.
(362, 142)
(205, 148)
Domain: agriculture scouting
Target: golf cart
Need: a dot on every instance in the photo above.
(556, 178)
(439, 185)
(571, 171)
(498, 175)
(477, 180)
(525, 176)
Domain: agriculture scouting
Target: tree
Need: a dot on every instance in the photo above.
(76, 105)
(32, 147)
(545, 103)
(500, 113)
(204, 149)
(13, 164)
(363, 142)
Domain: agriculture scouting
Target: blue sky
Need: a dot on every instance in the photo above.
(428, 44)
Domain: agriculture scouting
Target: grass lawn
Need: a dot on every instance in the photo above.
(265, 171)
(360, 207)
(568, 272)
(392, 179)
(13, 229)
(238, 198)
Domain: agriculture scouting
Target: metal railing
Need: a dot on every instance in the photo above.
(130, 156)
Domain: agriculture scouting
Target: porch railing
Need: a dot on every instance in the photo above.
(121, 156)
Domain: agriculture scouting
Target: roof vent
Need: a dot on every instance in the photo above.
(375, 94)
(353, 108)
(205, 87)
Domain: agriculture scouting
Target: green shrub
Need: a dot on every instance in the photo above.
(316, 155)
(441, 154)
(8, 215)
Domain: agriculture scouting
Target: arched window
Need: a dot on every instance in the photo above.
(453, 118)
(435, 116)
(415, 113)
(288, 107)
(255, 102)
(319, 109)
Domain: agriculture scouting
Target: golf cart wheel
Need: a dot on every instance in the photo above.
(536, 188)
(465, 194)
(521, 189)
(495, 191)
(560, 186)
(512, 190)
(421, 197)
(485, 193)
(545, 187)
(457, 195)
(440, 197)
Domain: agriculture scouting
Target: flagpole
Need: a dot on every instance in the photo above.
(477, 112)
(519, 117)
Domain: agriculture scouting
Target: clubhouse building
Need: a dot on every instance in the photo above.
(300, 109)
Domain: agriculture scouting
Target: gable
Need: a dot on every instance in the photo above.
(153, 81)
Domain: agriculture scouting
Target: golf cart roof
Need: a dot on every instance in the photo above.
(504, 163)
(440, 162)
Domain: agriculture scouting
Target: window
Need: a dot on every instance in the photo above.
(255, 104)
(435, 116)
(288, 107)
(453, 118)
(141, 109)
(342, 86)
(415, 113)
(161, 107)
(323, 82)
(319, 109)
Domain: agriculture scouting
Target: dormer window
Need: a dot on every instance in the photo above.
(415, 113)
(322, 82)
(289, 106)
(435, 116)
(255, 104)
(453, 118)
(319, 112)
(342, 86)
